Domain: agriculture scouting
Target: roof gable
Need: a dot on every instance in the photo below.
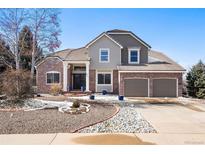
(117, 32)
(100, 36)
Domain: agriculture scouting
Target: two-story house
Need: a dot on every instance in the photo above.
(117, 61)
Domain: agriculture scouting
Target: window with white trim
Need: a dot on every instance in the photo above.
(133, 56)
(104, 78)
(53, 78)
(104, 55)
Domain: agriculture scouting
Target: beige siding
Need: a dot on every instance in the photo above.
(93, 52)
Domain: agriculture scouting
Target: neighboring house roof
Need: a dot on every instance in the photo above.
(157, 62)
(124, 42)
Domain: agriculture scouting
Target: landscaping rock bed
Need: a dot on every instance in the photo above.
(126, 121)
(51, 120)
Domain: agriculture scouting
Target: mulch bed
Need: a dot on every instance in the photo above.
(51, 120)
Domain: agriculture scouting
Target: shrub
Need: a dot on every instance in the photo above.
(76, 104)
(16, 85)
(201, 93)
(55, 89)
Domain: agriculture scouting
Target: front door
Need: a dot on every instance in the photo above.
(78, 81)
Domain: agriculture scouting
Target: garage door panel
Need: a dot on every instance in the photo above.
(136, 88)
(164, 88)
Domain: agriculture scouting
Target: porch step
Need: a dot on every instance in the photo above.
(77, 92)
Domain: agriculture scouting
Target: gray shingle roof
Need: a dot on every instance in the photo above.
(79, 54)
(61, 54)
(157, 62)
(122, 42)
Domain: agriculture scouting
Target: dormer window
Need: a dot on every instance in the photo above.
(133, 56)
(104, 55)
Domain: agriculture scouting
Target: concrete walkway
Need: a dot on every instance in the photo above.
(99, 139)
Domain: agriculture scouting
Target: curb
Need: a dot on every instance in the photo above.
(117, 110)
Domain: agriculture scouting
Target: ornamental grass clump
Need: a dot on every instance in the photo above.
(55, 89)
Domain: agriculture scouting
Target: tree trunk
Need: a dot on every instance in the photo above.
(17, 63)
(32, 62)
(33, 56)
(17, 60)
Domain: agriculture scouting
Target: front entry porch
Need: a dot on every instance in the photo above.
(76, 76)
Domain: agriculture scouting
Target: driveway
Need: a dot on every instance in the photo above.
(175, 118)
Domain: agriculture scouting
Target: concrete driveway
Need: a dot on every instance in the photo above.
(175, 123)
(175, 118)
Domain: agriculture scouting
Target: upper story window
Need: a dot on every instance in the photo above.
(53, 77)
(134, 56)
(104, 55)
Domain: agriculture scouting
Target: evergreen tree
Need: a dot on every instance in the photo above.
(196, 80)
(4, 49)
(25, 47)
(6, 56)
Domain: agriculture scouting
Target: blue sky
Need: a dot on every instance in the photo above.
(179, 33)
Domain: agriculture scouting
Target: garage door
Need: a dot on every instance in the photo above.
(136, 88)
(164, 88)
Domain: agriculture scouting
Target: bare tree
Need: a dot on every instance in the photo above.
(44, 25)
(11, 22)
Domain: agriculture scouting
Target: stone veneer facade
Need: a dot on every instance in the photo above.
(151, 76)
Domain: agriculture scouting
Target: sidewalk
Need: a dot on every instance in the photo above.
(118, 139)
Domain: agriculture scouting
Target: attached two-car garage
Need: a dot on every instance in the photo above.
(161, 87)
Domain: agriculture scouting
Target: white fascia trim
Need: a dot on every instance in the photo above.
(129, 58)
(77, 62)
(133, 37)
(48, 58)
(102, 36)
(100, 55)
(152, 71)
